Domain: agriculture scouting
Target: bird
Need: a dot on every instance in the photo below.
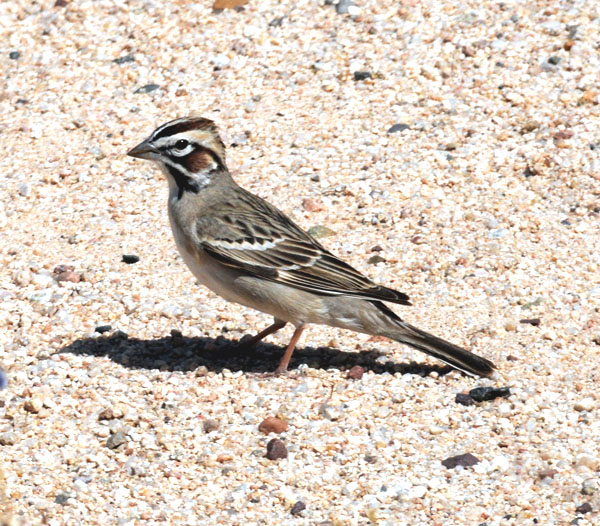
(249, 252)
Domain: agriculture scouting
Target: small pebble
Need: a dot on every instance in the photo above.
(3, 379)
(108, 413)
(531, 321)
(585, 404)
(320, 231)
(8, 438)
(547, 474)
(356, 373)
(584, 508)
(589, 461)
(312, 205)
(362, 75)
(33, 405)
(298, 507)
(130, 259)
(73, 277)
(589, 487)
(62, 498)
(124, 59)
(117, 439)
(276, 450)
(483, 394)
(398, 128)
(330, 412)
(147, 88)
(343, 6)
(465, 460)
(14, 55)
(101, 329)
(464, 399)
(273, 425)
(23, 189)
(210, 424)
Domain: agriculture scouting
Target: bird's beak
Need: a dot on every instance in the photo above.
(144, 151)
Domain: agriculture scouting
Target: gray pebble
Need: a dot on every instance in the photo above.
(210, 425)
(400, 127)
(330, 412)
(346, 7)
(23, 189)
(116, 440)
(498, 233)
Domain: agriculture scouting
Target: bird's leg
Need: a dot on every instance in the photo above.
(251, 342)
(285, 360)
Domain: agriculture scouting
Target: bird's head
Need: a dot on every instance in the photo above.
(189, 151)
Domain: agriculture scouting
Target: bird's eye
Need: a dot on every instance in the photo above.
(181, 144)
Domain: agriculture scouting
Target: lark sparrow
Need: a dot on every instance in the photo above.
(249, 252)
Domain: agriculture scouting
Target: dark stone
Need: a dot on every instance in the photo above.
(14, 55)
(464, 399)
(124, 59)
(554, 60)
(147, 88)
(529, 172)
(531, 321)
(276, 450)
(398, 128)
(465, 460)
(62, 498)
(298, 507)
(362, 75)
(3, 379)
(483, 394)
(101, 329)
(584, 508)
(130, 259)
(370, 459)
(276, 22)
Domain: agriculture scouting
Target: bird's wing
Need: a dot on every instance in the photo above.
(260, 240)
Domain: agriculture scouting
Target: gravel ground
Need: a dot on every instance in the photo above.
(458, 143)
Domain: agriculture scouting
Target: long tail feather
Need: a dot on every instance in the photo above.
(441, 349)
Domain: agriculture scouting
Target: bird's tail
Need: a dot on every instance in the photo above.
(456, 356)
(442, 350)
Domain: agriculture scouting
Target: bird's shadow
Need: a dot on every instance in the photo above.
(182, 353)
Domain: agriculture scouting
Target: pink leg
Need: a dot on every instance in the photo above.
(251, 342)
(288, 352)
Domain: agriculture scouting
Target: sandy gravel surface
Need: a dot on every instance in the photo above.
(483, 206)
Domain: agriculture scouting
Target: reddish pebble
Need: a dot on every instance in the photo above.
(356, 373)
(312, 205)
(272, 425)
(276, 449)
(69, 275)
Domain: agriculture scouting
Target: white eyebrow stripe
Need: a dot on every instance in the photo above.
(166, 125)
